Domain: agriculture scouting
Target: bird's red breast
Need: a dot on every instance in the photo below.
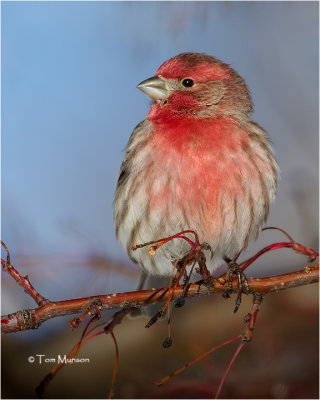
(207, 161)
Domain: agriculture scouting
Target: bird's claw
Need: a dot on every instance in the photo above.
(206, 246)
(235, 272)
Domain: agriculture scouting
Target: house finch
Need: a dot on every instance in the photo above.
(196, 162)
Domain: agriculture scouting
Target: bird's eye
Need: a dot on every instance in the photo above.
(187, 82)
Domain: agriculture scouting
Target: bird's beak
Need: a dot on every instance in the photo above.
(155, 87)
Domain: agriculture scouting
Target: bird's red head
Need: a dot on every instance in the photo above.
(197, 66)
(196, 85)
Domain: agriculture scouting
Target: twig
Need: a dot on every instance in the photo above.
(246, 336)
(241, 344)
(164, 380)
(85, 337)
(33, 318)
(116, 366)
(22, 280)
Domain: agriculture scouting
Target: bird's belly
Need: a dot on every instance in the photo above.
(200, 193)
(219, 191)
(210, 198)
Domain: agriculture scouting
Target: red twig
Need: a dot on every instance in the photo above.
(241, 344)
(116, 366)
(164, 380)
(22, 280)
(299, 248)
(270, 247)
(115, 320)
(85, 337)
(268, 228)
(246, 336)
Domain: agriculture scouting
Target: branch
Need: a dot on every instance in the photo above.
(22, 280)
(33, 318)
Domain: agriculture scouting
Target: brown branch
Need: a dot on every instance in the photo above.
(33, 318)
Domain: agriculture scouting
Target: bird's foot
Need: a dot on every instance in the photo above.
(206, 246)
(194, 256)
(235, 272)
(181, 264)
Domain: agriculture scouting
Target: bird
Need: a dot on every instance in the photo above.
(197, 162)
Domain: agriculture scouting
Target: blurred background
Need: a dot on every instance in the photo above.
(69, 105)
